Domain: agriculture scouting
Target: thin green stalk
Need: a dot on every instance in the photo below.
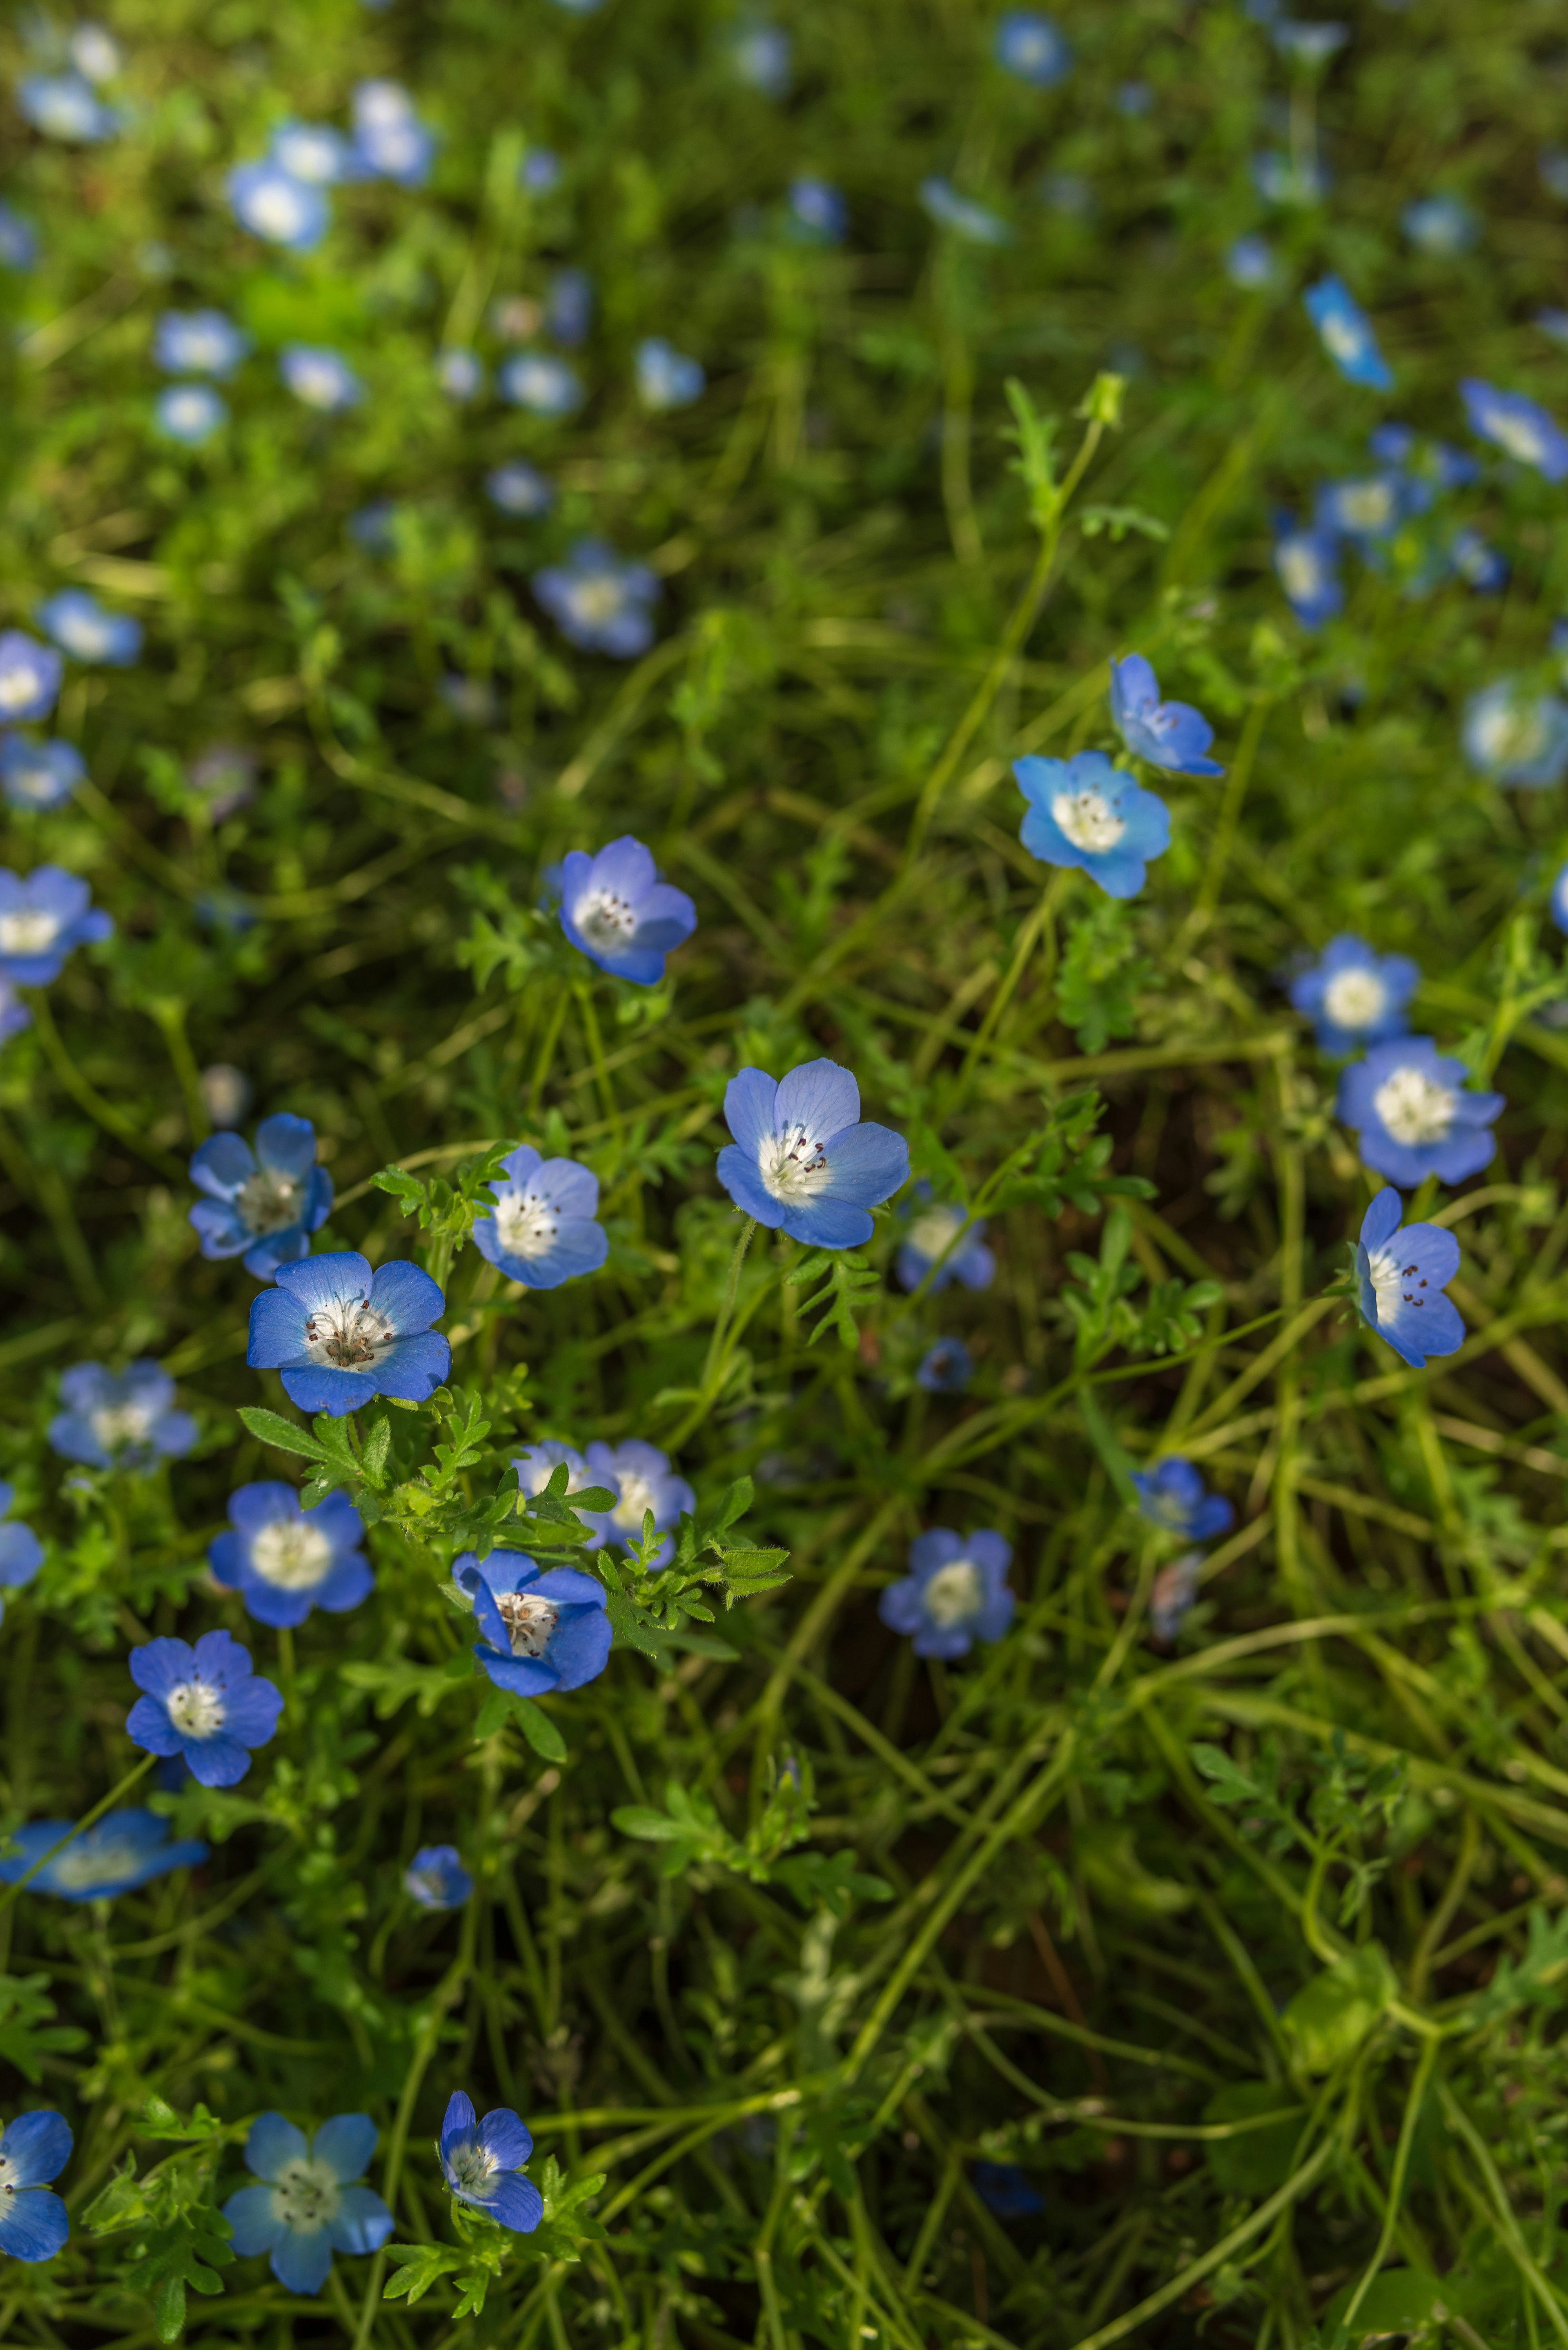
(122, 1787)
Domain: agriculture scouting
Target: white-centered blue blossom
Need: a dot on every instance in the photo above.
(126, 1420)
(545, 1628)
(276, 207)
(283, 1560)
(1354, 995)
(1520, 428)
(518, 488)
(1169, 734)
(198, 342)
(68, 108)
(262, 1204)
(312, 152)
(537, 1463)
(1033, 47)
(646, 1481)
(1345, 333)
(1414, 1114)
(30, 676)
(190, 413)
(541, 383)
(122, 1852)
(1306, 563)
(341, 1333)
(955, 1593)
(1439, 225)
(34, 2149)
(437, 1880)
(802, 1162)
(43, 921)
(320, 378)
(38, 774)
(601, 600)
(391, 142)
(1400, 1277)
(205, 1702)
(461, 374)
(666, 378)
(482, 2161)
(1515, 734)
(940, 1234)
(615, 909)
(543, 1229)
(308, 2207)
(81, 627)
(1089, 814)
(1174, 1497)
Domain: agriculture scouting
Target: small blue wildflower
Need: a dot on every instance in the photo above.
(44, 920)
(762, 56)
(1251, 263)
(541, 1231)
(1412, 1116)
(18, 239)
(802, 1162)
(436, 1877)
(322, 378)
(309, 2207)
(1089, 814)
(1033, 47)
(283, 1560)
(30, 676)
(1174, 1496)
(1355, 997)
(955, 1593)
(543, 384)
(190, 413)
(1367, 509)
(969, 220)
(1518, 426)
(204, 1702)
(1306, 565)
(600, 601)
(81, 628)
(1006, 2191)
(1309, 45)
(1280, 179)
(1345, 333)
(1478, 562)
(123, 1851)
(33, 2149)
(545, 1628)
(1172, 1596)
(666, 378)
(569, 306)
(1169, 734)
(21, 1552)
(1554, 324)
(1559, 900)
(483, 2162)
(38, 775)
(818, 211)
(124, 1420)
(945, 1369)
(391, 142)
(198, 342)
(1392, 444)
(66, 107)
(645, 1481)
(278, 208)
(313, 153)
(515, 488)
(616, 910)
(539, 171)
(1439, 225)
(341, 1333)
(1400, 1278)
(1511, 735)
(931, 1232)
(261, 1205)
(461, 374)
(537, 1463)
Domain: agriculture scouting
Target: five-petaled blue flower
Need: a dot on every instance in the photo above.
(483, 2162)
(461, 374)
(1520, 428)
(802, 1162)
(616, 911)
(204, 1702)
(518, 488)
(600, 601)
(1086, 813)
(666, 378)
(198, 342)
(81, 627)
(1169, 734)
(309, 2207)
(64, 107)
(541, 383)
(391, 142)
(341, 1333)
(1006, 2191)
(1251, 263)
(537, 1463)
(124, 1420)
(544, 1627)
(1354, 995)
(1400, 1278)
(275, 206)
(38, 775)
(1366, 509)
(1515, 735)
(42, 921)
(944, 1232)
(33, 2149)
(30, 676)
(955, 1593)
(1439, 225)
(974, 224)
(190, 413)
(120, 1853)
(22, 1553)
(18, 239)
(322, 378)
(543, 1229)
(1412, 1116)
(312, 152)
(263, 1204)
(1174, 1496)
(946, 1368)
(645, 1481)
(283, 1560)
(436, 1877)
(818, 211)
(1031, 46)
(1347, 335)
(1306, 563)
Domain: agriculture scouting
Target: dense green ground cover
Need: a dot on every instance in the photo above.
(1243, 1946)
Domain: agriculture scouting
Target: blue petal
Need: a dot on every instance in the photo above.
(362, 2222)
(867, 1166)
(413, 1367)
(34, 2225)
(303, 2262)
(222, 1165)
(517, 2204)
(522, 1676)
(625, 867)
(37, 2147)
(579, 1647)
(737, 1171)
(827, 1223)
(252, 1712)
(1433, 1250)
(218, 1761)
(288, 1144)
(339, 1277)
(277, 1328)
(253, 2218)
(407, 1296)
(505, 2139)
(938, 1546)
(1382, 1221)
(161, 1666)
(337, 1393)
(345, 2144)
(750, 1109)
(273, 2142)
(819, 1096)
(148, 1725)
(458, 2121)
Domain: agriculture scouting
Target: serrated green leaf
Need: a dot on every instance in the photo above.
(271, 1427)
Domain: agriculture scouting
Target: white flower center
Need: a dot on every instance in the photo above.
(19, 686)
(307, 2195)
(1521, 436)
(1355, 999)
(604, 919)
(317, 383)
(527, 1222)
(594, 601)
(929, 1233)
(1388, 1278)
(1343, 338)
(276, 209)
(529, 1621)
(115, 1424)
(1414, 1107)
(636, 1497)
(83, 635)
(82, 1866)
(474, 2170)
(792, 1166)
(1088, 820)
(196, 1709)
(1301, 572)
(955, 1593)
(28, 930)
(1367, 505)
(1507, 732)
(187, 410)
(34, 781)
(308, 155)
(346, 1333)
(291, 1553)
(268, 1201)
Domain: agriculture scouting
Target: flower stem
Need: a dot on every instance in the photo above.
(9, 1893)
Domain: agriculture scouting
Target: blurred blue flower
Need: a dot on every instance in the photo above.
(1366, 509)
(516, 488)
(1412, 1116)
(542, 1229)
(94, 52)
(537, 1463)
(461, 374)
(1306, 565)
(929, 1232)
(1133, 99)
(597, 599)
(1006, 2191)
(278, 208)
(322, 378)
(285, 1560)
(946, 1368)
(955, 1593)
(1169, 734)
(666, 378)
(204, 1702)
(1279, 178)
(391, 142)
(818, 211)
(1354, 997)
(1439, 225)
(261, 1205)
(1559, 900)
(121, 1852)
(1172, 1594)
(1089, 814)
(1033, 47)
(341, 1333)
(81, 628)
(36, 774)
(21, 1552)
(309, 2207)
(66, 107)
(18, 239)
(972, 222)
(1309, 45)
(1251, 263)
(762, 56)
(33, 2149)
(190, 413)
(615, 909)
(312, 152)
(1174, 1496)
(541, 383)
(545, 1628)
(802, 1162)
(645, 1481)
(1517, 426)
(483, 2162)
(1400, 1277)
(119, 1419)
(44, 920)
(1477, 561)
(569, 306)
(375, 527)
(436, 1877)
(540, 171)
(1512, 734)
(30, 676)
(198, 342)
(1553, 323)
(1345, 333)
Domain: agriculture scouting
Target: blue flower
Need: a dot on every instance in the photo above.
(309, 2207)
(436, 1877)
(761, 55)
(391, 142)
(261, 1204)
(1559, 900)
(542, 1229)
(1346, 333)
(198, 342)
(1367, 509)
(1006, 2191)
(1170, 1599)
(33, 2149)
(340, 1333)
(1517, 426)
(539, 171)
(569, 306)
(204, 1702)
(81, 628)
(1439, 225)
(930, 1231)
(1306, 563)
(44, 920)
(124, 1420)
(1033, 47)
(313, 153)
(30, 676)
(969, 220)
(946, 1368)
(1169, 734)
(63, 106)
(955, 1593)
(1174, 1496)
(545, 1628)
(666, 378)
(18, 239)
(283, 1560)
(1086, 813)
(22, 1553)
(483, 2162)
(1553, 323)
(1400, 1277)
(538, 1463)
(1354, 997)
(190, 413)
(599, 601)
(543, 384)
(278, 208)
(616, 911)
(518, 489)
(1478, 562)
(322, 378)
(802, 1162)
(1514, 735)
(94, 53)
(461, 374)
(1251, 263)
(1280, 179)
(121, 1852)
(38, 775)
(645, 1481)
(1412, 1116)
(818, 211)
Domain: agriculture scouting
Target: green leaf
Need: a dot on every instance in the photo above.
(1397, 2301)
(503, 1706)
(282, 1434)
(654, 1827)
(1260, 2156)
(1333, 2015)
(1230, 1784)
(417, 2267)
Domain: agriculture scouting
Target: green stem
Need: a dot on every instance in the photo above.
(8, 1894)
(1230, 817)
(102, 1113)
(717, 1362)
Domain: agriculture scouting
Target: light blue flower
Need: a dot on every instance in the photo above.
(1413, 1116)
(205, 1702)
(309, 2207)
(946, 1368)
(33, 2149)
(616, 910)
(955, 1593)
(1172, 1596)
(1033, 47)
(437, 1880)
(598, 600)
(1088, 815)
(541, 383)
(1169, 734)
(198, 342)
(1175, 1497)
(1514, 734)
(190, 413)
(483, 2162)
(18, 239)
(35, 774)
(802, 1162)
(1367, 509)
(94, 52)
(569, 306)
(42, 919)
(461, 374)
(322, 378)
(312, 152)
(122, 1852)
(341, 1333)
(539, 171)
(818, 211)
(542, 1229)
(261, 1205)
(30, 676)
(1280, 179)
(81, 628)
(1400, 1278)
(278, 208)
(645, 1481)
(762, 56)
(1306, 563)
(21, 1552)
(1519, 427)
(969, 220)
(124, 1420)
(1439, 225)
(666, 378)
(1345, 333)
(1251, 263)
(545, 1628)
(391, 142)
(285, 1560)
(1354, 997)
(1133, 99)
(1477, 561)
(66, 107)
(516, 488)
(537, 1463)
(935, 1232)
